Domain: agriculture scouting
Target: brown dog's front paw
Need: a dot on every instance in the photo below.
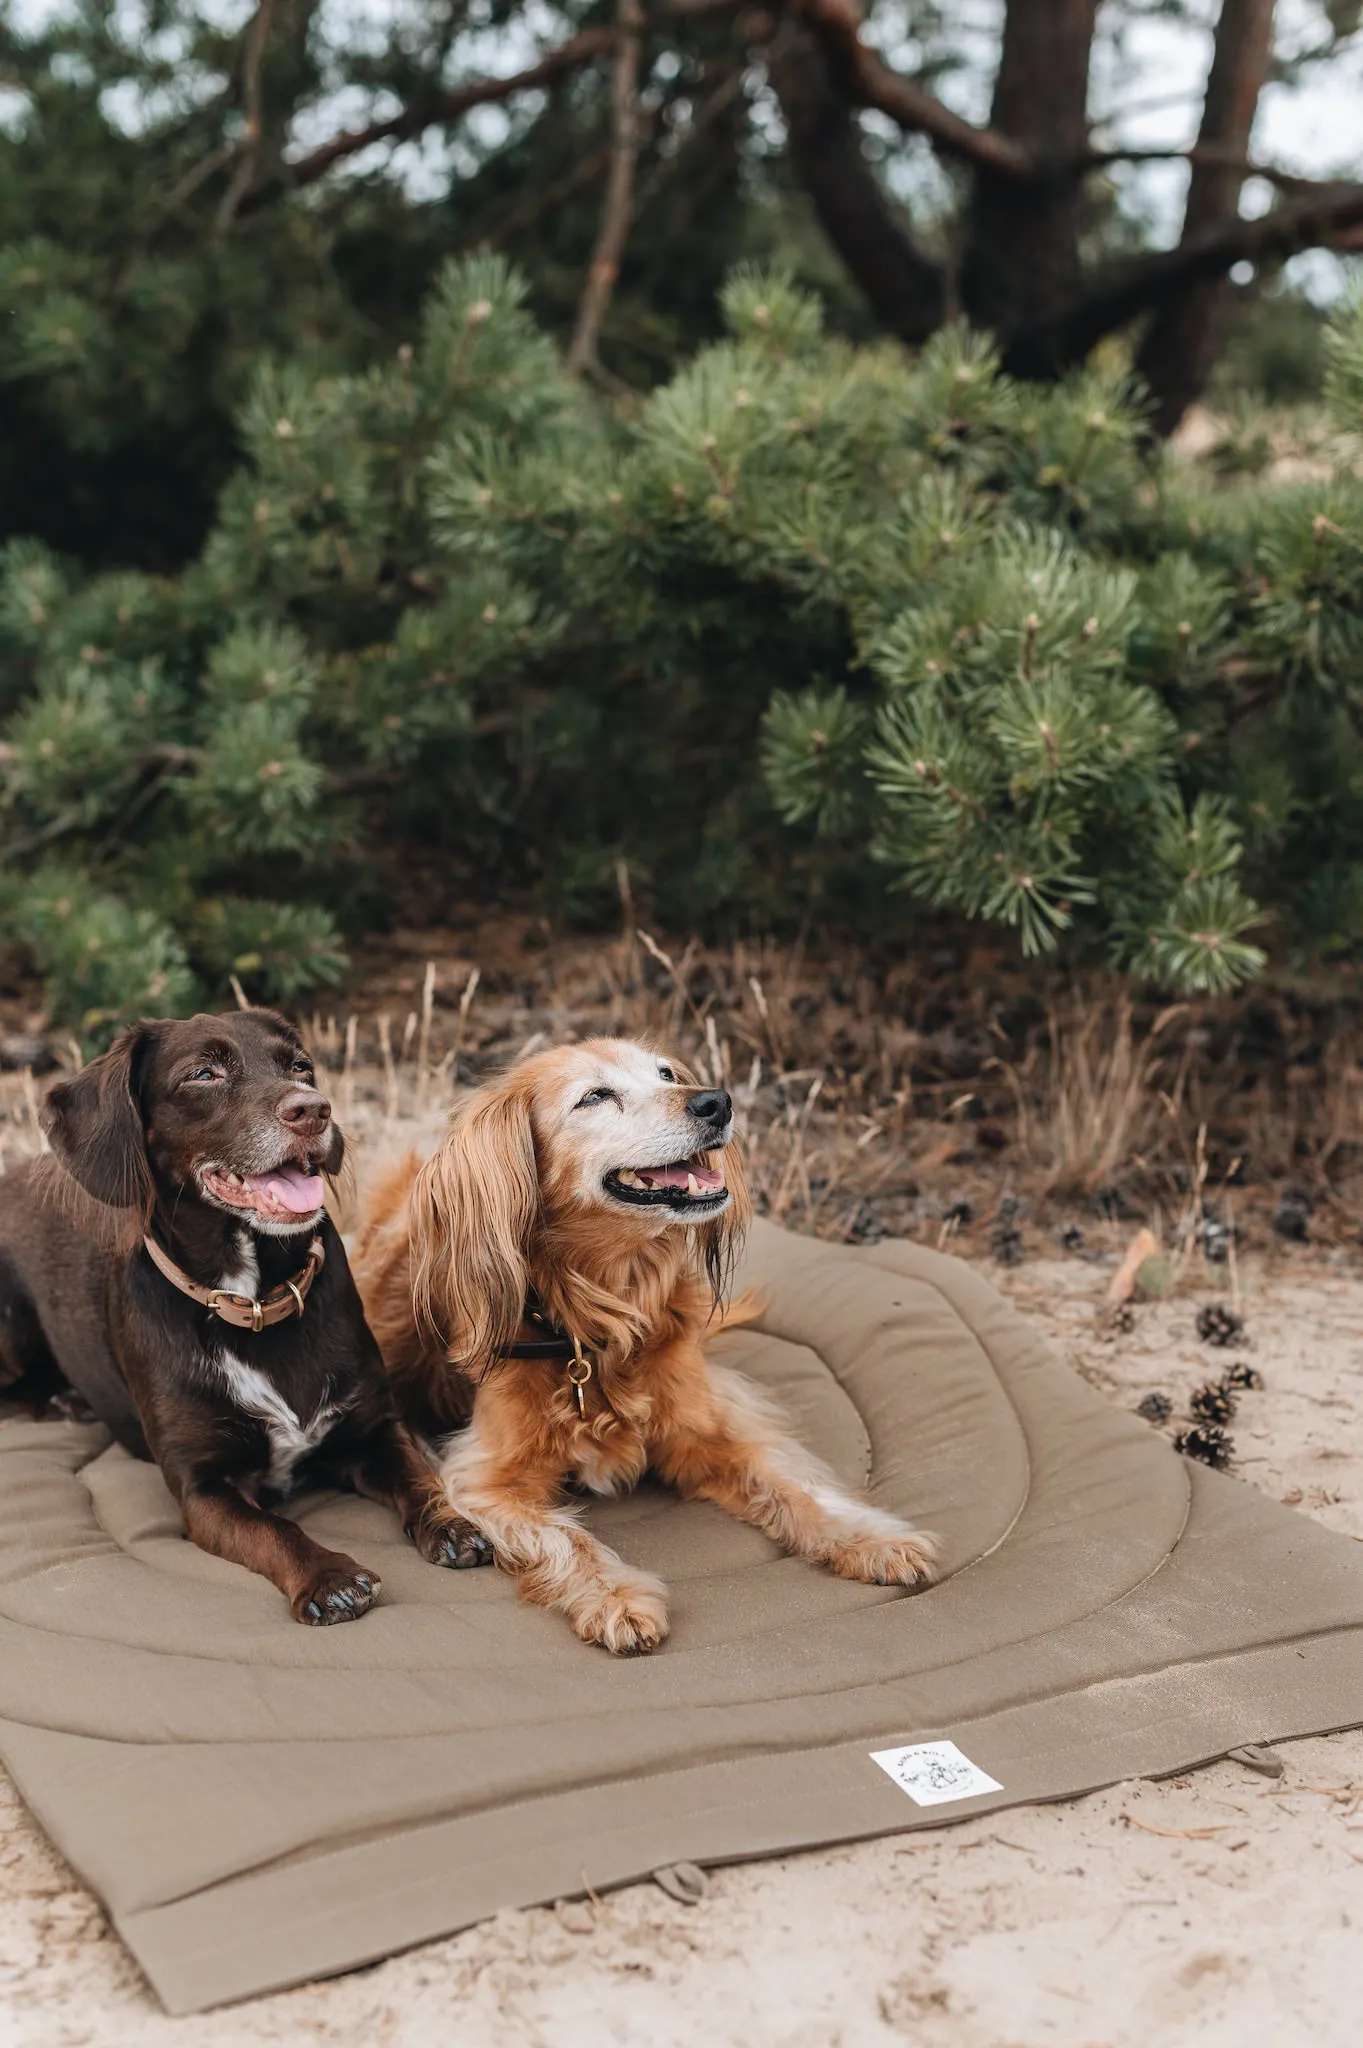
(628, 1619)
(341, 1591)
(909, 1559)
(454, 1543)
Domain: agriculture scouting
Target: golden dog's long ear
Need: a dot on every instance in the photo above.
(474, 1206)
(722, 1240)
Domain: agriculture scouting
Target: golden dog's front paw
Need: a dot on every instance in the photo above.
(909, 1559)
(628, 1617)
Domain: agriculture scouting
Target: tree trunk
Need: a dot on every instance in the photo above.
(906, 289)
(1021, 267)
(1185, 337)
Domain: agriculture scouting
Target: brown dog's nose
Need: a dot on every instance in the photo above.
(710, 1106)
(305, 1110)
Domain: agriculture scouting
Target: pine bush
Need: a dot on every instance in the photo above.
(813, 625)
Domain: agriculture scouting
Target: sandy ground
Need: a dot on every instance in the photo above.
(1219, 1907)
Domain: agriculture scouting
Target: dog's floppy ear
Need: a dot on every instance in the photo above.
(722, 1240)
(473, 1209)
(94, 1124)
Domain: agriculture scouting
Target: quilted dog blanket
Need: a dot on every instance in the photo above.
(258, 1803)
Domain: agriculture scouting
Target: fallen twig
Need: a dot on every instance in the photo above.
(1178, 1834)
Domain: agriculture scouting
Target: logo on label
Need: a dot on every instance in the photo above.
(933, 1773)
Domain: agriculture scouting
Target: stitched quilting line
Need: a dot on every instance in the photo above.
(892, 1597)
(866, 1253)
(357, 1839)
(985, 1350)
(882, 1265)
(1191, 1661)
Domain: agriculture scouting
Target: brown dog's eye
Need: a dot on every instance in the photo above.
(666, 1074)
(302, 1066)
(204, 1074)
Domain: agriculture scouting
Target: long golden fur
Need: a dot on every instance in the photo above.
(524, 1195)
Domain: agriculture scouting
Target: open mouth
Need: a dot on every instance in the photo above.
(284, 1194)
(690, 1185)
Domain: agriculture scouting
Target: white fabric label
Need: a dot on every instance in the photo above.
(933, 1773)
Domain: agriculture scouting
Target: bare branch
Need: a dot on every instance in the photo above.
(199, 174)
(1182, 342)
(867, 81)
(252, 106)
(444, 107)
(1328, 219)
(1213, 158)
(904, 286)
(712, 109)
(440, 108)
(584, 173)
(615, 213)
(1021, 267)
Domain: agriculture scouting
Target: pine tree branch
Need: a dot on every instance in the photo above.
(615, 213)
(55, 828)
(867, 81)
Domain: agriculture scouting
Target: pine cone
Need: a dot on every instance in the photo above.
(1212, 1403)
(1207, 1443)
(1155, 1408)
(1215, 1242)
(1293, 1215)
(1242, 1375)
(1217, 1324)
(1005, 1244)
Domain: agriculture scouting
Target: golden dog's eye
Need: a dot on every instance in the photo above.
(666, 1074)
(595, 1095)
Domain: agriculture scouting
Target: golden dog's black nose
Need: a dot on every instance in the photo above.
(305, 1110)
(710, 1106)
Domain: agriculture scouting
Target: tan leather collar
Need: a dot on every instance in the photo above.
(243, 1311)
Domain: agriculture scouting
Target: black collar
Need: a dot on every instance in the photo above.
(555, 1343)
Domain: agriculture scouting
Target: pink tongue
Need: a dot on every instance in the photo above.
(708, 1178)
(293, 1189)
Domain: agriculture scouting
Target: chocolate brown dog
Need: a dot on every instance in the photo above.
(220, 1332)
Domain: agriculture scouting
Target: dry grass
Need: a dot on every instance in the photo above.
(879, 1097)
(891, 1097)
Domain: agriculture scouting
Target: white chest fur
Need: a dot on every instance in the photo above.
(243, 1277)
(290, 1438)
